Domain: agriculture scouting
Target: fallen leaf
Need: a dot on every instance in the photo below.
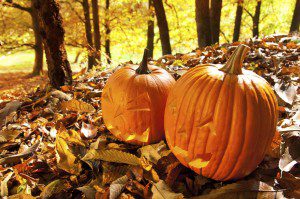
(287, 95)
(274, 148)
(88, 131)
(112, 156)
(291, 184)
(4, 188)
(66, 160)
(53, 188)
(154, 152)
(243, 189)
(61, 95)
(13, 159)
(161, 190)
(8, 109)
(77, 106)
(88, 191)
(9, 135)
(117, 186)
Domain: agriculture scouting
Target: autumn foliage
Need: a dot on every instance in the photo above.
(54, 143)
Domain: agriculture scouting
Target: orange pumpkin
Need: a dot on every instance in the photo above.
(133, 102)
(220, 120)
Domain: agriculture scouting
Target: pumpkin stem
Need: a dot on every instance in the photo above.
(143, 68)
(235, 62)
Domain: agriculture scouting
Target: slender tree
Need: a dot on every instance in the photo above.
(256, 19)
(162, 26)
(238, 20)
(107, 32)
(38, 45)
(215, 19)
(88, 32)
(150, 32)
(59, 70)
(97, 36)
(296, 18)
(203, 23)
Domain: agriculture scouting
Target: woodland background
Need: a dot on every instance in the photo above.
(123, 28)
(54, 143)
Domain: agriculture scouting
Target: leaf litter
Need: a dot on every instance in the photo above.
(54, 144)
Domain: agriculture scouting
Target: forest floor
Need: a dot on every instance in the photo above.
(18, 84)
(54, 144)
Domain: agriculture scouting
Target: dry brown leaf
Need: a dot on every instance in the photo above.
(77, 106)
(274, 149)
(88, 131)
(13, 159)
(287, 95)
(154, 152)
(112, 156)
(117, 187)
(53, 188)
(161, 190)
(3, 186)
(66, 160)
(8, 109)
(243, 189)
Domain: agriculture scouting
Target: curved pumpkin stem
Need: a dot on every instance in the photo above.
(235, 62)
(143, 68)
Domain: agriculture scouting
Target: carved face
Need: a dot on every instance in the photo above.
(219, 123)
(133, 104)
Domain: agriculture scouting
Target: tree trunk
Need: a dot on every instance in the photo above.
(88, 32)
(59, 70)
(38, 46)
(296, 18)
(97, 36)
(107, 32)
(215, 19)
(238, 20)
(150, 32)
(162, 26)
(203, 23)
(256, 19)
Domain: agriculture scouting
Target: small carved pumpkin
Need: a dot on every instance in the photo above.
(220, 120)
(133, 102)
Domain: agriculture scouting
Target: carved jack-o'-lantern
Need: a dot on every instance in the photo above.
(133, 102)
(220, 120)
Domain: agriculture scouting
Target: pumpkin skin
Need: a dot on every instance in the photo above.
(133, 104)
(219, 121)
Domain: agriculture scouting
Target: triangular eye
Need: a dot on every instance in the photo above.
(107, 96)
(140, 103)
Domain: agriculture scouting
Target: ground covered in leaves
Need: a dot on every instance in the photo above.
(53, 144)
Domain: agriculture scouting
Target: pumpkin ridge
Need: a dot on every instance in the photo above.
(241, 168)
(200, 84)
(242, 130)
(266, 95)
(199, 81)
(200, 103)
(229, 136)
(192, 145)
(259, 127)
(223, 96)
(180, 107)
(246, 106)
(213, 111)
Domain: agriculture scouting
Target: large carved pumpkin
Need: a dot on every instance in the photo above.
(133, 102)
(220, 120)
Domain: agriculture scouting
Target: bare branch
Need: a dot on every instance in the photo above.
(248, 13)
(17, 6)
